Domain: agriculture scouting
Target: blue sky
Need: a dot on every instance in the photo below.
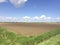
(30, 8)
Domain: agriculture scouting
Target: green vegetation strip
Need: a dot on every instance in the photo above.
(52, 41)
(46, 36)
(11, 38)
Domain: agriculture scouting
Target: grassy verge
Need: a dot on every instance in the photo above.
(52, 41)
(46, 36)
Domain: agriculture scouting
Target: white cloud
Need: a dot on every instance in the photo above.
(18, 3)
(1, 1)
(43, 17)
(8, 19)
(36, 18)
(2, 17)
(29, 19)
(58, 18)
(49, 18)
(26, 18)
(13, 19)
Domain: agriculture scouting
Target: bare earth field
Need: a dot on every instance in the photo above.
(30, 28)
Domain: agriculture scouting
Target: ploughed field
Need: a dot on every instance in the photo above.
(29, 29)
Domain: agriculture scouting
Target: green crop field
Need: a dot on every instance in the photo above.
(11, 38)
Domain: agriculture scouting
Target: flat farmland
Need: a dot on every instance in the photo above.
(29, 29)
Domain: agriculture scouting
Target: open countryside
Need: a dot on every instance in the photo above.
(30, 28)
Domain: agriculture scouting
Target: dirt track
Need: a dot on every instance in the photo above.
(30, 28)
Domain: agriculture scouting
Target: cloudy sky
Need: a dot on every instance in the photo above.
(30, 10)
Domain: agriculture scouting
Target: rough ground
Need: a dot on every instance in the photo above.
(30, 28)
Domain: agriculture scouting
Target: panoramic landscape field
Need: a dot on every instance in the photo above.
(30, 28)
(29, 22)
(29, 33)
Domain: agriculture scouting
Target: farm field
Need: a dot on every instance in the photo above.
(29, 29)
(11, 38)
(29, 22)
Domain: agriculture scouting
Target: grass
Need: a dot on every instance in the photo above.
(46, 36)
(52, 41)
(11, 38)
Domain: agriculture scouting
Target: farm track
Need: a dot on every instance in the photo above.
(29, 29)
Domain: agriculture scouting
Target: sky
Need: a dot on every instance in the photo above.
(30, 10)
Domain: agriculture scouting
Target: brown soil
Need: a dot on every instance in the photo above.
(30, 28)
